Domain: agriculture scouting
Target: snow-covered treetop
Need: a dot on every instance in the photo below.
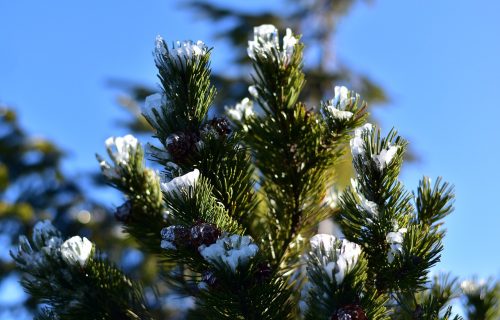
(266, 44)
(181, 51)
(123, 147)
(120, 151)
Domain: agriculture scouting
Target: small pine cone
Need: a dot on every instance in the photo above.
(220, 125)
(122, 213)
(178, 235)
(350, 312)
(182, 145)
(204, 233)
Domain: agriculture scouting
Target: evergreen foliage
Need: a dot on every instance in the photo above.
(232, 215)
(316, 20)
(75, 282)
(33, 187)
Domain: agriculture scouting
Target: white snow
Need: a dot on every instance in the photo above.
(120, 150)
(336, 108)
(76, 250)
(473, 288)
(395, 241)
(265, 39)
(154, 101)
(357, 143)
(338, 257)
(289, 43)
(266, 33)
(160, 47)
(341, 96)
(366, 127)
(265, 44)
(369, 206)
(385, 157)
(167, 245)
(326, 240)
(241, 111)
(180, 183)
(232, 250)
(339, 114)
(253, 91)
(123, 147)
(182, 51)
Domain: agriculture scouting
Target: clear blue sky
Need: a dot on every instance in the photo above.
(438, 60)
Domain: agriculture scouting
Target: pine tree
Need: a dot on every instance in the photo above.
(233, 209)
(317, 20)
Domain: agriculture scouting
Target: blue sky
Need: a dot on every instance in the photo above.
(438, 60)
(439, 63)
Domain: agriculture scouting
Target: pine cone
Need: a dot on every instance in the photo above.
(178, 235)
(122, 213)
(182, 145)
(350, 312)
(204, 233)
(220, 126)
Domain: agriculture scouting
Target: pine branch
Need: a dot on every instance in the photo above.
(434, 204)
(196, 204)
(337, 287)
(377, 213)
(143, 213)
(249, 293)
(74, 281)
(294, 148)
(431, 303)
(184, 72)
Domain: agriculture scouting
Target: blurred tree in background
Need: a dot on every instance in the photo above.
(33, 187)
